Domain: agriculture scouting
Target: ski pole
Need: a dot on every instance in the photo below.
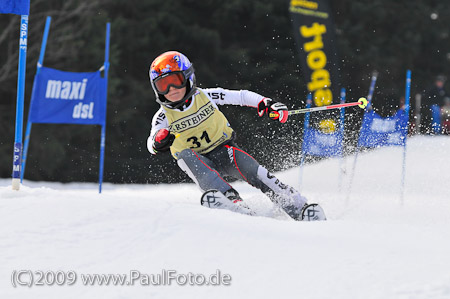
(362, 103)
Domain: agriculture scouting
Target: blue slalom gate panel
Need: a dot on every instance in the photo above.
(316, 143)
(378, 131)
(68, 98)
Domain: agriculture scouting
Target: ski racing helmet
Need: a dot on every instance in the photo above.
(172, 69)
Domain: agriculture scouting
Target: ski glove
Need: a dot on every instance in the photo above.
(162, 141)
(274, 110)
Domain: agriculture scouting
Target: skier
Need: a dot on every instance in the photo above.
(199, 137)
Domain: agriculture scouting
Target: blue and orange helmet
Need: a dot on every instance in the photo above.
(172, 69)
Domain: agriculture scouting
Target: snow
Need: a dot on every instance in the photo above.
(374, 244)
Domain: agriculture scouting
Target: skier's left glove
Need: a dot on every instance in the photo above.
(162, 141)
(274, 110)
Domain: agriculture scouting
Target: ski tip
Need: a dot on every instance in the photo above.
(313, 212)
(362, 103)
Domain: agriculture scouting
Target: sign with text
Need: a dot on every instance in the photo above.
(378, 131)
(319, 144)
(68, 98)
(314, 33)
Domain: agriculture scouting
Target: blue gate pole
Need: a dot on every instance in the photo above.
(369, 106)
(407, 100)
(17, 157)
(102, 138)
(38, 69)
(436, 119)
(305, 127)
(341, 130)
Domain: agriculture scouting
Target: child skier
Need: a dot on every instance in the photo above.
(199, 137)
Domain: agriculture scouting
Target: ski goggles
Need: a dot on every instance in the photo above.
(177, 79)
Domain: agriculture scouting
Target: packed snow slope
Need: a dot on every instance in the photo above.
(374, 245)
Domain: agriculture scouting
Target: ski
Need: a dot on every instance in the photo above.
(215, 199)
(313, 212)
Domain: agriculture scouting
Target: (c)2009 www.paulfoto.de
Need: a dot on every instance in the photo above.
(30, 278)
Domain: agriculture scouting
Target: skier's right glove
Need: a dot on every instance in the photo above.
(274, 110)
(162, 141)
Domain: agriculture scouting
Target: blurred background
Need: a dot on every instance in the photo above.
(235, 44)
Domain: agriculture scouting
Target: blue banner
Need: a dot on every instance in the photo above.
(68, 98)
(377, 131)
(316, 143)
(18, 7)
